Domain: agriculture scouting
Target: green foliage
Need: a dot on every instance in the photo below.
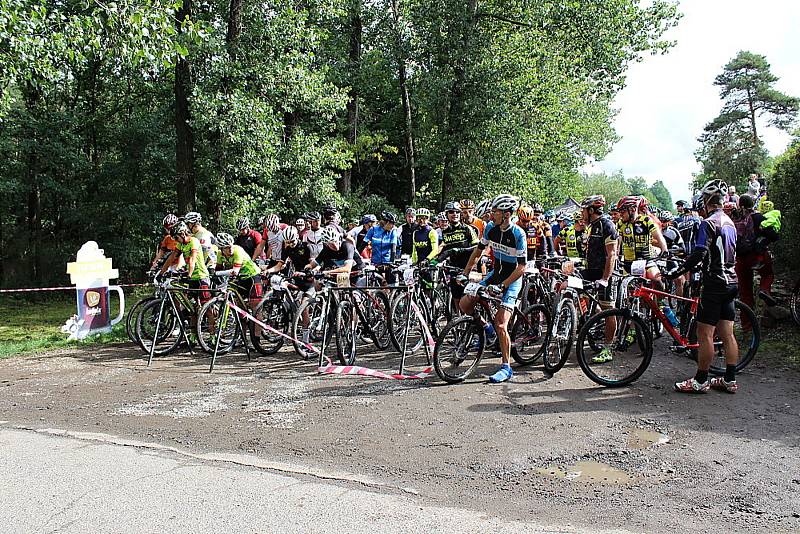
(616, 186)
(784, 190)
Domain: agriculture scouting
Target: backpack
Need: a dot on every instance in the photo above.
(745, 233)
(772, 219)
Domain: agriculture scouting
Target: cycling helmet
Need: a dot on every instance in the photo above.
(714, 189)
(613, 208)
(300, 222)
(193, 218)
(312, 216)
(243, 224)
(329, 211)
(594, 201)
(424, 212)
(505, 202)
(442, 216)
(482, 207)
(577, 216)
(368, 218)
(628, 202)
(272, 223)
(178, 229)
(746, 202)
(766, 205)
(681, 203)
(537, 208)
(388, 216)
(665, 216)
(224, 240)
(452, 206)
(525, 213)
(561, 216)
(411, 211)
(698, 203)
(467, 204)
(329, 234)
(290, 233)
(170, 220)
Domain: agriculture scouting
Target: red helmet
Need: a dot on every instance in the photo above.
(594, 201)
(628, 202)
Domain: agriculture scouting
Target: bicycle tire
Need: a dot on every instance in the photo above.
(133, 314)
(644, 341)
(145, 328)
(464, 331)
(311, 335)
(794, 301)
(272, 313)
(376, 312)
(397, 322)
(529, 337)
(207, 339)
(346, 327)
(565, 321)
(717, 367)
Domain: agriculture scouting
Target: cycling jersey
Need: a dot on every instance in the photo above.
(462, 237)
(407, 239)
(208, 246)
(536, 237)
(191, 248)
(573, 241)
(716, 239)
(426, 243)
(478, 224)
(167, 244)
(636, 236)
(331, 259)
(314, 244)
(688, 226)
(601, 233)
(384, 244)
(274, 241)
(299, 255)
(248, 241)
(509, 247)
(672, 237)
(239, 259)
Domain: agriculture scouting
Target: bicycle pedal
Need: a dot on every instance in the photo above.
(678, 349)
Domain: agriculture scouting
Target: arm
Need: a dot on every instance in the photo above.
(658, 237)
(259, 249)
(171, 260)
(434, 239)
(472, 259)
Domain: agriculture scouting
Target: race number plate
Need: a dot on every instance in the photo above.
(531, 268)
(575, 282)
(408, 277)
(472, 289)
(343, 280)
(638, 267)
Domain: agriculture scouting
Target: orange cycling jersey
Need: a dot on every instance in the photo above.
(168, 243)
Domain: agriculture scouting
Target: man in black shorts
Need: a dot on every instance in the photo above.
(715, 250)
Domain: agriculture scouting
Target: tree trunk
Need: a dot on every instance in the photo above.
(33, 215)
(234, 27)
(751, 105)
(403, 78)
(185, 183)
(455, 108)
(356, 29)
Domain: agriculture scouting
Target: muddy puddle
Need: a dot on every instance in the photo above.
(589, 472)
(639, 438)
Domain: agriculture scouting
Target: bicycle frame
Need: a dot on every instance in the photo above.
(647, 294)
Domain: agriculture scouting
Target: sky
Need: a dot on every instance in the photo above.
(668, 99)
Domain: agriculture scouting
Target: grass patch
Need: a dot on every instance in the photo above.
(34, 325)
(782, 344)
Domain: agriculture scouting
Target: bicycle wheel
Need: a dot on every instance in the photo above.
(376, 312)
(272, 313)
(459, 349)
(563, 334)
(307, 327)
(132, 317)
(217, 319)
(346, 332)
(794, 302)
(169, 332)
(748, 337)
(400, 312)
(530, 334)
(630, 349)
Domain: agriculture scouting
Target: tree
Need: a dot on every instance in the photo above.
(784, 191)
(731, 147)
(661, 195)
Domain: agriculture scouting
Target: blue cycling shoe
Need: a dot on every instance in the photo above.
(502, 374)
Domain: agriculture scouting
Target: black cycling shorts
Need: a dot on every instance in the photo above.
(250, 288)
(603, 293)
(716, 306)
(203, 284)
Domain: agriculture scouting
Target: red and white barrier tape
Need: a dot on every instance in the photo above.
(67, 288)
(331, 369)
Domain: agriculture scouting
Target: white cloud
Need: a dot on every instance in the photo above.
(668, 99)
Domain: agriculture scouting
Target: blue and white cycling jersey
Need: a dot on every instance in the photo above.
(509, 246)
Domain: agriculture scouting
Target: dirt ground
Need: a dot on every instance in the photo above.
(558, 450)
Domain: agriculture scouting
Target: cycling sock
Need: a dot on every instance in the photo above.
(489, 329)
(730, 373)
(701, 376)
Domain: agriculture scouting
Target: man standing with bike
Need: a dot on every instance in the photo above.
(715, 250)
(505, 279)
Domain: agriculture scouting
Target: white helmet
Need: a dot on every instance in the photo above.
(193, 218)
(290, 233)
(329, 234)
(423, 212)
(713, 189)
(224, 240)
(482, 208)
(505, 203)
(272, 223)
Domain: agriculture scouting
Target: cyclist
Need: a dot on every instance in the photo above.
(458, 242)
(301, 226)
(525, 216)
(358, 234)
(384, 238)
(188, 247)
(482, 211)
(426, 241)
(571, 239)
(508, 242)
(234, 261)
(441, 223)
(637, 230)
(687, 224)
(208, 243)
(539, 236)
(407, 233)
(601, 255)
(331, 217)
(468, 216)
(615, 218)
(715, 252)
(674, 241)
(167, 244)
(247, 238)
(560, 224)
(752, 253)
(294, 251)
(337, 255)
(314, 232)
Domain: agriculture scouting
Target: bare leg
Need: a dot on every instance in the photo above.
(501, 319)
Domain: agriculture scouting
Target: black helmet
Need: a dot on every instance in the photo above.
(312, 216)
(329, 211)
(388, 216)
(746, 202)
